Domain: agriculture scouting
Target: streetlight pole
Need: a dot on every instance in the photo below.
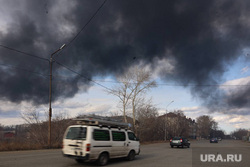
(50, 93)
(165, 137)
(169, 104)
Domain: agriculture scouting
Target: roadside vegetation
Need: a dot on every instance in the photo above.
(151, 127)
(141, 113)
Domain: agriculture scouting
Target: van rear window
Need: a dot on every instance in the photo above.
(101, 135)
(76, 133)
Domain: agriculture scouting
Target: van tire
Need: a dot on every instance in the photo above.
(103, 159)
(79, 161)
(131, 155)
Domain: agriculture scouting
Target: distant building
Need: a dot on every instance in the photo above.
(176, 124)
(192, 128)
(9, 135)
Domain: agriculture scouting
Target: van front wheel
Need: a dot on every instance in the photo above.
(131, 155)
(103, 159)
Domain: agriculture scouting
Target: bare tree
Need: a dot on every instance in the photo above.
(239, 133)
(60, 123)
(147, 117)
(205, 125)
(37, 129)
(142, 83)
(133, 83)
(123, 92)
(176, 124)
(183, 124)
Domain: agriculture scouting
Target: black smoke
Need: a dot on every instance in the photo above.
(203, 37)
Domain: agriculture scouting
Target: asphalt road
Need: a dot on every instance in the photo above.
(152, 155)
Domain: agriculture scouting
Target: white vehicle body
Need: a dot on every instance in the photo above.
(88, 142)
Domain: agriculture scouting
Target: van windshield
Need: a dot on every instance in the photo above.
(76, 133)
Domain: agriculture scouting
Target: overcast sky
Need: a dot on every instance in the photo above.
(197, 51)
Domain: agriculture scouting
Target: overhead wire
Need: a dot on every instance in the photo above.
(85, 25)
(20, 68)
(82, 75)
(94, 81)
(119, 82)
(68, 44)
(201, 85)
(24, 53)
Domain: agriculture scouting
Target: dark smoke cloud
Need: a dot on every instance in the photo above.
(203, 37)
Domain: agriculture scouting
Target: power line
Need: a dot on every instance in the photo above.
(205, 85)
(82, 76)
(110, 81)
(166, 84)
(38, 57)
(24, 53)
(91, 18)
(20, 68)
(96, 81)
(161, 84)
(117, 82)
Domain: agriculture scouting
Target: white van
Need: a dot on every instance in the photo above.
(95, 139)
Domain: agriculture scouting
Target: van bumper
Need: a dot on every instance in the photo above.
(77, 157)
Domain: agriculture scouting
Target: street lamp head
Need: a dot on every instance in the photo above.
(169, 104)
(62, 46)
(58, 50)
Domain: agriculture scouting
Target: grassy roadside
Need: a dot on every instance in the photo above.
(17, 146)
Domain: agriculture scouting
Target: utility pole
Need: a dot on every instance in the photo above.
(50, 93)
(165, 136)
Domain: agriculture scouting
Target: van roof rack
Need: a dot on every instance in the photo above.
(94, 120)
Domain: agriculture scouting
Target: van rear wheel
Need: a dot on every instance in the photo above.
(79, 160)
(131, 155)
(103, 159)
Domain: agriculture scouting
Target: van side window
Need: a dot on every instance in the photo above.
(131, 136)
(118, 136)
(101, 135)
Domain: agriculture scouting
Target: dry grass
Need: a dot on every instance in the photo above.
(16, 146)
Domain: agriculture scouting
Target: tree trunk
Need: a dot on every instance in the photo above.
(124, 113)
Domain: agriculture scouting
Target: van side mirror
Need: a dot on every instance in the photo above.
(137, 139)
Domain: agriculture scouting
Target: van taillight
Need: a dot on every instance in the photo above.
(170, 140)
(181, 140)
(87, 147)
